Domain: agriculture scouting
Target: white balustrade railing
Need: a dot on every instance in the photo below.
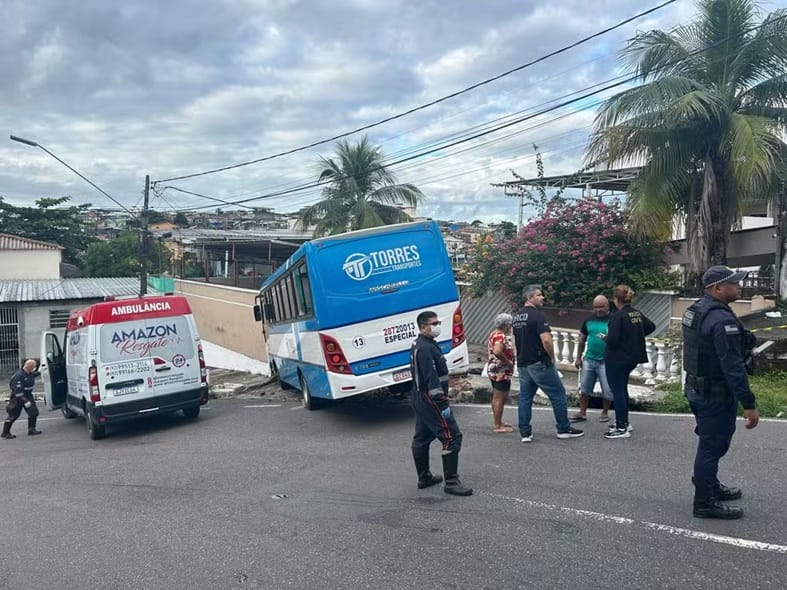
(664, 361)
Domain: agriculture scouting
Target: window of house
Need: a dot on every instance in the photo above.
(58, 318)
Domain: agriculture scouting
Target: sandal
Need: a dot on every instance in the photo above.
(504, 429)
(578, 418)
(604, 419)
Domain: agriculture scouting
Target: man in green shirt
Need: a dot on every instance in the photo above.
(591, 343)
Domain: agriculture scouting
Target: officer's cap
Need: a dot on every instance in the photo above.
(722, 274)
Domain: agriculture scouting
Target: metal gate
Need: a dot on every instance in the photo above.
(9, 342)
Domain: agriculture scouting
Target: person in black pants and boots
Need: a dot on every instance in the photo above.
(22, 397)
(433, 415)
(625, 341)
(715, 349)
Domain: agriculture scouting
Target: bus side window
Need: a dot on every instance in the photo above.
(268, 311)
(303, 291)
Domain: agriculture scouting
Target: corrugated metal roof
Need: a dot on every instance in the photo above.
(9, 242)
(17, 291)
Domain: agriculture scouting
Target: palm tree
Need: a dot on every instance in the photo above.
(707, 123)
(360, 192)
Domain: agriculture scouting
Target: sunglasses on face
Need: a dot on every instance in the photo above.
(434, 323)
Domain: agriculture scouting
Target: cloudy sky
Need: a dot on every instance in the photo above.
(124, 89)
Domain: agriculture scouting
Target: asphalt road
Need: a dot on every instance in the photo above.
(255, 496)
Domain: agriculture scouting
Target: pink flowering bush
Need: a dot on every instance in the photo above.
(574, 251)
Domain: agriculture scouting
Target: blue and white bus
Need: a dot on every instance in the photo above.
(339, 315)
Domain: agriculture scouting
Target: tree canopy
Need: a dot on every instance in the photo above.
(707, 123)
(573, 252)
(359, 192)
(49, 221)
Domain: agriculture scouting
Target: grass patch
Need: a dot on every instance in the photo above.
(770, 390)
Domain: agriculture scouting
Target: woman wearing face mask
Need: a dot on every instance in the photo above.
(500, 368)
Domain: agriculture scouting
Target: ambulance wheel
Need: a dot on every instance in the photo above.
(191, 412)
(68, 414)
(307, 400)
(95, 431)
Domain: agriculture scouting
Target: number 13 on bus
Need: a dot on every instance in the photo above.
(339, 314)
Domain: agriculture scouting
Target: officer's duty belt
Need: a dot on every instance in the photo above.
(707, 387)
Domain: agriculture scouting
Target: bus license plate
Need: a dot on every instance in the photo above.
(401, 375)
(126, 390)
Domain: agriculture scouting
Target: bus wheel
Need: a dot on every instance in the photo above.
(191, 412)
(307, 400)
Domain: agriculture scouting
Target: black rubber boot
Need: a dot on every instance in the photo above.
(425, 477)
(7, 430)
(713, 508)
(31, 427)
(724, 493)
(451, 471)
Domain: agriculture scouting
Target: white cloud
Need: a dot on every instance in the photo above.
(173, 88)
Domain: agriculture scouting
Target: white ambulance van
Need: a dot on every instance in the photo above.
(125, 358)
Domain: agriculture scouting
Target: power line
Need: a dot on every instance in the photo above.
(441, 147)
(428, 104)
(437, 146)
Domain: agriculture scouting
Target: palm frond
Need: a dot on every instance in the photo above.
(754, 155)
(656, 54)
(654, 200)
(771, 93)
(650, 98)
(764, 56)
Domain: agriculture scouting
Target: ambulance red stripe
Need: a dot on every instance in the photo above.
(124, 310)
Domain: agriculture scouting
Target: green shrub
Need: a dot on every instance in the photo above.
(770, 390)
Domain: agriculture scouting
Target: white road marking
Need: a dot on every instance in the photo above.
(265, 406)
(664, 528)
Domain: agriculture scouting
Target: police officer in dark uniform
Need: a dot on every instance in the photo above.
(715, 350)
(433, 415)
(22, 397)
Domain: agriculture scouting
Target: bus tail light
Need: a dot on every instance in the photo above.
(335, 361)
(203, 370)
(92, 381)
(457, 328)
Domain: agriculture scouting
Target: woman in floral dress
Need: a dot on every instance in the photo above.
(500, 368)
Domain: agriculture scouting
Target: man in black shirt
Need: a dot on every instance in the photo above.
(536, 364)
(433, 415)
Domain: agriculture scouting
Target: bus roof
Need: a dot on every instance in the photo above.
(350, 235)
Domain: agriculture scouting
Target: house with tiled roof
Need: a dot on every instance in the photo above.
(35, 298)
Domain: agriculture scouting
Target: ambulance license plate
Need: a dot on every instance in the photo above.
(126, 390)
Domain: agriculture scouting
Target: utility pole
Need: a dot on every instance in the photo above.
(143, 241)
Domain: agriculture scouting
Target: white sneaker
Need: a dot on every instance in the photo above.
(527, 439)
(571, 433)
